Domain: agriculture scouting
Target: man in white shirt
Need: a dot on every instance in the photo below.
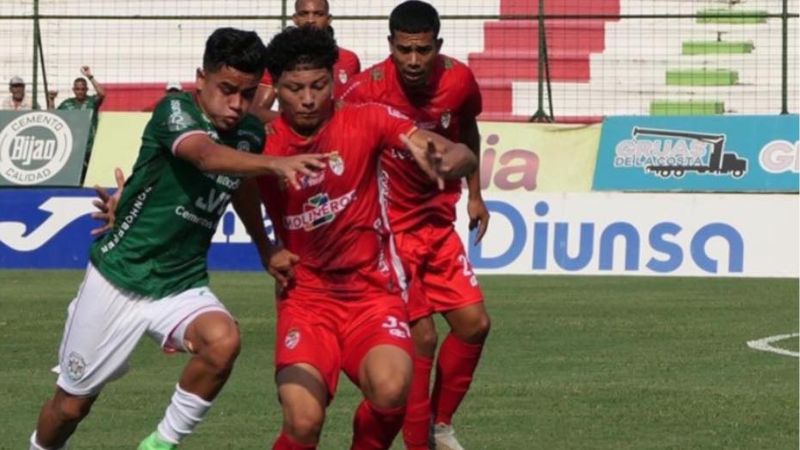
(17, 100)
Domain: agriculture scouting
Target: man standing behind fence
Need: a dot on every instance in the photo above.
(16, 101)
(84, 102)
(315, 13)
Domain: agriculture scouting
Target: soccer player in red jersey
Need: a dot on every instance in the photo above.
(340, 307)
(308, 13)
(439, 94)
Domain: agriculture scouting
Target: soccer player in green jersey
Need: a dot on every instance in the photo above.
(148, 275)
(84, 102)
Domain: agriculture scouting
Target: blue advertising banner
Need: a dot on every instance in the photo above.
(50, 229)
(711, 153)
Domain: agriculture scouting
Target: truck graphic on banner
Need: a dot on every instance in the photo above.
(719, 162)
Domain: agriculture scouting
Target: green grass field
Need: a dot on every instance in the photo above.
(572, 363)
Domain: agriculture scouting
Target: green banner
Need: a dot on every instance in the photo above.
(43, 148)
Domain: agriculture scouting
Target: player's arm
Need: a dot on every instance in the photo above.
(276, 260)
(440, 156)
(98, 88)
(209, 156)
(476, 208)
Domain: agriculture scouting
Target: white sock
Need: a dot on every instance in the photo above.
(35, 445)
(184, 412)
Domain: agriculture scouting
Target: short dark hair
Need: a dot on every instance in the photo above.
(327, 5)
(239, 49)
(414, 17)
(80, 80)
(306, 46)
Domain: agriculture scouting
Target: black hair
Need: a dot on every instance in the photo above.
(414, 17)
(306, 46)
(239, 49)
(80, 80)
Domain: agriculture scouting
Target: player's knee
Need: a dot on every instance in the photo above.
(72, 409)
(425, 342)
(221, 353)
(306, 425)
(389, 389)
(476, 331)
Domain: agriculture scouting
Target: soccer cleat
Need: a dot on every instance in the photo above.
(154, 442)
(444, 438)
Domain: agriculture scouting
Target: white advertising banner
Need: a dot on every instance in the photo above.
(736, 235)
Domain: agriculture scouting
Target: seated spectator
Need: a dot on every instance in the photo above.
(17, 101)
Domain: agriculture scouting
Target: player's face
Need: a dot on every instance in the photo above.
(225, 95)
(17, 92)
(311, 12)
(80, 89)
(306, 98)
(414, 55)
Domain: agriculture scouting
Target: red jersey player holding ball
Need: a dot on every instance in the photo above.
(438, 93)
(340, 307)
(315, 13)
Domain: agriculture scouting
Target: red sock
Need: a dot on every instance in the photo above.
(284, 442)
(375, 428)
(416, 427)
(454, 368)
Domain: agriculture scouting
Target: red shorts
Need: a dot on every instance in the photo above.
(440, 276)
(335, 335)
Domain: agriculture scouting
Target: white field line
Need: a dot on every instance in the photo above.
(764, 344)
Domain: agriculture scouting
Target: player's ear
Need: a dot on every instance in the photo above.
(391, 42)
(200, 79)
(439, 43)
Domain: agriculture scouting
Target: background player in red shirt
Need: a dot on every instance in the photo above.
(440, 94)
(341, 306)
(308, 13)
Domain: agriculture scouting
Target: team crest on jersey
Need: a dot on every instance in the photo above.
(342, 76)
(336, 163)
(377, 74)
(292, 338)
(448, 63)
(445, 119)
(76, 366)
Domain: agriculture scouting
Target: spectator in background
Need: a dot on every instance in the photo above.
(314, 13)
(84, 102)
(17, 100)
(174, 87)
(52, 93)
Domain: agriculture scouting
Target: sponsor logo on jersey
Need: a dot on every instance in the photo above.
(318, 210)
(179, 119)
(34, 148)
(336, 163)
(292, 339)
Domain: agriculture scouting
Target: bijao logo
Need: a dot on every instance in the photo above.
(34, 148)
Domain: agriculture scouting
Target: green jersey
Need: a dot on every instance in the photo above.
(90, 104)
(169, 209)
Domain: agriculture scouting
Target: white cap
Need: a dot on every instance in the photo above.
(15, 80)
(174, 85)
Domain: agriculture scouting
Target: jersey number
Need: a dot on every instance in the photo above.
(397, 328)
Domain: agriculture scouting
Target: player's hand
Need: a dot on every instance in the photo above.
(107, 204)
(280, 264)
(478, 217)
(289, 167)
(429, 159)
(86, 71)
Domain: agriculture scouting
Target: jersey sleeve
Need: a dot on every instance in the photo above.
(389, 123)
(174, 119)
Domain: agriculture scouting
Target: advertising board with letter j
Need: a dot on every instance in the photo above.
(713, 153)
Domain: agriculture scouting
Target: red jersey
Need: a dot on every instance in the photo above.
(453, 97)
(345, 68)
(336, 222)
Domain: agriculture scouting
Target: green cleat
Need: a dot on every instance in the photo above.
(154, 442)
